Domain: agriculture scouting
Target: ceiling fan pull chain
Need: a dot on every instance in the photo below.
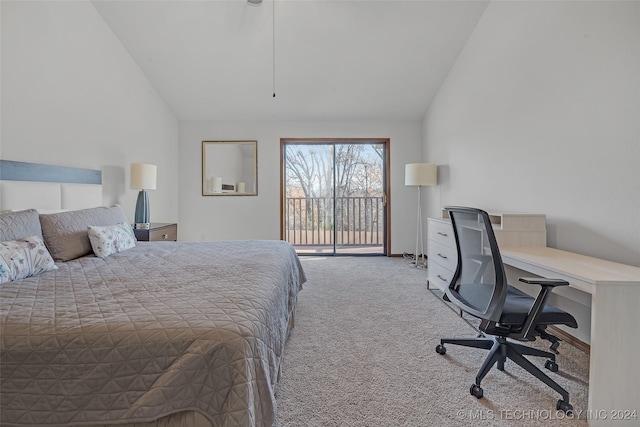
(273, 13)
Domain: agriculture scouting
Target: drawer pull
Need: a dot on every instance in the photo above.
(441, 278)
(443, 234)
(442, 256)
(165, 236)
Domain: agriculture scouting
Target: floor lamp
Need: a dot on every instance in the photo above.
(143, 178)
(419, 175)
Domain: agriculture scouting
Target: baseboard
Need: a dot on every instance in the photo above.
(570, 339)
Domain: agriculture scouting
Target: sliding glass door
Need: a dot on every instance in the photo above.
(334, 196)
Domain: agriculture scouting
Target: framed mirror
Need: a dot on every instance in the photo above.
(229, 168)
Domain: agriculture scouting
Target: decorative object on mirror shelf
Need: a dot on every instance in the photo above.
(217, 184)
(143, 177)
(419, 175)
(229, 168)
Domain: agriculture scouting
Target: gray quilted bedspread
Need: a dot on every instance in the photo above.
(157, 329)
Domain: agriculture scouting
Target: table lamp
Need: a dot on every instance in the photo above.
(143, 177)
(418, 175)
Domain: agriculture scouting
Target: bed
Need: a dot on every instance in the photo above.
(161, 333)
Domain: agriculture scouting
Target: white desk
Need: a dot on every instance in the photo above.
(614, 369)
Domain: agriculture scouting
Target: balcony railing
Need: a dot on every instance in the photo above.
(353, 221)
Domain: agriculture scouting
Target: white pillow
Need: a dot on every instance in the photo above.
(109, 239)
(23, 258)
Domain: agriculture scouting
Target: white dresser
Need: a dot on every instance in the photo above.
(442, 255)
(511, 230)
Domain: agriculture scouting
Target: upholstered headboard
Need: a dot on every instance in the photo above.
(47, 187)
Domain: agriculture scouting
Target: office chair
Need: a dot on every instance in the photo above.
(479, 287)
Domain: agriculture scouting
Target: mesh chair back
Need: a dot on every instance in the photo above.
(479, 284)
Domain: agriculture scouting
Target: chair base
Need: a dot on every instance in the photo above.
(499, 351)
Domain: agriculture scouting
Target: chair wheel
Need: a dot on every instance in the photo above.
(476, 391)
(551, 365)
(565, 407)
(440, 349)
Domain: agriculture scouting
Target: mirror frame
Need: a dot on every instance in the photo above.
(228, 192)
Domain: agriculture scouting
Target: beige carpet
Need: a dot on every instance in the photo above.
(363, 354)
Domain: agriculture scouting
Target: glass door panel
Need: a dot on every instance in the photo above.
(334, 199)
(309, 201)
(359, 201)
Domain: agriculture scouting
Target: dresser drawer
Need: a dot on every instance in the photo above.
(446, 256)
(441, 232)
(439, 275)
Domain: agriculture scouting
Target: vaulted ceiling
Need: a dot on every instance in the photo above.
(333, 59)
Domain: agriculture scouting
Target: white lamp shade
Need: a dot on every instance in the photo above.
(420, 174)
(143, 176)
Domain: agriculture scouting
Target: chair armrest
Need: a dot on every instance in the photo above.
(547, 286)
(544, 282)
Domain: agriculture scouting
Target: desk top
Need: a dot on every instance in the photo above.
(592, 271)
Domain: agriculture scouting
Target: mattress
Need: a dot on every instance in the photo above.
(163, 328)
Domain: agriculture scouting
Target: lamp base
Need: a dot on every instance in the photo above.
(142, 210)
(419, 264)
(142, 226)
(419, 253)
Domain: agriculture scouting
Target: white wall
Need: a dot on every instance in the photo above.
(249, 217)
(541, 113)
(73, 96)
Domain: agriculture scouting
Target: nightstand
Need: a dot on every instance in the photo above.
(158, 231)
